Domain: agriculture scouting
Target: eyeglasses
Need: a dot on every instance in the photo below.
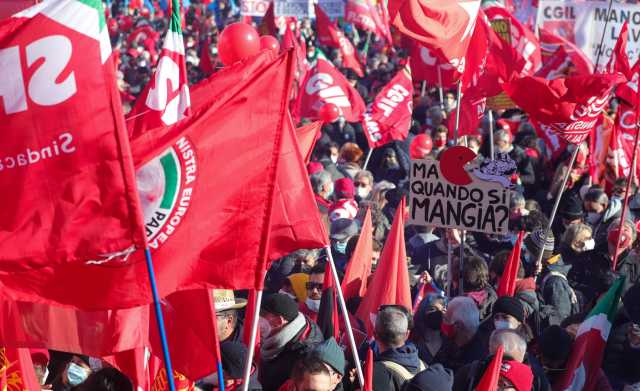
(313, 285)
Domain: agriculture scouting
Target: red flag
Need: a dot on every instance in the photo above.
(390, 283)
(368, 15)
(388, 117)
(325, 84)
(136, 365)
(549, 44)
(570, 106)
(307, 136)
(160, 383)
(16, 370)
(621, 146)
(554, 144)
(328, 317)
(507, 284)
(619, 61)
(226, 226)
(165, 100)
(330, 35)
(354, 283)
(471, 112)
(368, 371)
(268, 24)
(65, 168)
(207, 65)
(489, 380)
(521, 38)
(558, 65)
(629, 90)
(443, 25)
(425, 65)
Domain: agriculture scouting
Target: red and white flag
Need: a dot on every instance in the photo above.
(369, 16)
(471, 112)
(388, 117)
(621, 144)
(445, 26)
(426, 65)
(330, 35)
(66, 172)
(619, 61)
(390, 284)
(569, 106)
(325, 84)
(550, 43)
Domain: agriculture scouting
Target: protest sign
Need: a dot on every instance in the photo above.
(480, 205)
(583, 23)
(297, 8)
(254, 7)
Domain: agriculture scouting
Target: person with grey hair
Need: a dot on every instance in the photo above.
(460, 325)
(322, 186)
(628, 262)
(512, 341)
(395, 360)
(363, 182)
(504, 144)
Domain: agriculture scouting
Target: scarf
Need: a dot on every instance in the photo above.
(274, 344)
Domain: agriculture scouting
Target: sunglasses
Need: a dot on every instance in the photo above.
(313, 285)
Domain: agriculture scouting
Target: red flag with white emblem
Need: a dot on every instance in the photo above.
(330, 35)
(619, 61)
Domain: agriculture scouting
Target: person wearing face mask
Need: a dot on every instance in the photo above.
(76, 371)
(311, 305)
(328, 157)
(426, 334)
(390, 168)
(601, 211)
(363, 181)
(440, 136)
(341, 231)
(286, 336)
(345, 206)
(503, 144)
(322, 186)
(463, 343)
(628, 263)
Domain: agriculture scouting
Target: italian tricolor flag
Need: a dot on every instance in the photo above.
(165, 100)
(591, 340)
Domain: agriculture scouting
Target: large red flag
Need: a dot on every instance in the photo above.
(16, 370)
(570, 106)
(425, 65)
(307, 136)
(330, 35)
(507, 284)
(445, 26)
(388, 117)
(366, 15)
(226, 226)
(558, 65)
(390, 283)
(159, 104)
(471, 112)
(368, 371)
(619, 61)
(66, 173)
(621, 143)
(354, 283)
(549, 44)
(325, 84)
(521, 38)
(489, 380)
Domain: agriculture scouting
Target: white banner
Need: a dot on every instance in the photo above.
(583, 23)
(481, 205)
(254, 7)
(298, 8)
(333, 8)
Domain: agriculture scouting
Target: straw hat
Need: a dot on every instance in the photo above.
(226, 300)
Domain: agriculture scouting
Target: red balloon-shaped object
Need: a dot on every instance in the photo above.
(329, 113)
(237, 42)
(420, 146)
(269, 42)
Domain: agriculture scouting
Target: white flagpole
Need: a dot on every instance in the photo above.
(252, 344)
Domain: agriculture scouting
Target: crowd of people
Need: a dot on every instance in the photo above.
(450, 339)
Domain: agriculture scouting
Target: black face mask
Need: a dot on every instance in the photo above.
(433, 319)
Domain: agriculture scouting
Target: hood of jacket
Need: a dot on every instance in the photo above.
(406, 355)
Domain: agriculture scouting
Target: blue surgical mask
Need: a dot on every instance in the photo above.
(76, 374)
(341, 247)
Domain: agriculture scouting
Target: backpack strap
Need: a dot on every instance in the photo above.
(402, 372)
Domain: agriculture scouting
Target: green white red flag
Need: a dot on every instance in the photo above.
(591, 340)
(165, 100)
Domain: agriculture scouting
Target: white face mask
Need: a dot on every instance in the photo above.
(76, 374)
(503, 325)
(330, 191)
(589, 245)
(362, 192)
(334, 159)
(314, 305)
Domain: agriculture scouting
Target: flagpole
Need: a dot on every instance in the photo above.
(604, 31)
(366, 160)
(423, 88)
(557, 203)
(491, 150)
(345, 313)
(216, 340)
(440, 91)
(449, 267)
(463, 235)
(159, 319)
(632, 175)
(252, 343)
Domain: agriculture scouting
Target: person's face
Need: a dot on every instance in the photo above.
(512, 322)
(363, 182)
(440, 139)
(336, 378)
(375, 256)
(78, 363)
(333, 151)
(314, 382)
(274, 322)
(314, 286)
(307, 262)
(502, 145)
(618, 191)
(593, 207)
(225, 325)
(390, 159)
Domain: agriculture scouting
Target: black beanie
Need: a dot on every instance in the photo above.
(233, 355)
(434, 378)
(511, 306)
(281, 305)
(571, 208)
(555, 343)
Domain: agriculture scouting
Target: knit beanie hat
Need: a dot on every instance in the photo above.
(331, 353)
(555, 343)
(510, 306)
(281, 305)
(571, 208)
(535, 242)
(344, 188)
(233, 356)
(518, 374)
(434, 378)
